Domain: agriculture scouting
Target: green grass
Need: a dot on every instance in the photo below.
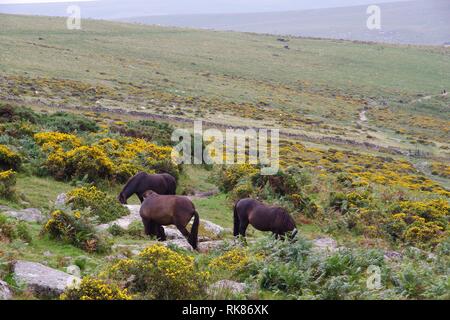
(61, 255)
(195, 178)
(217, 209)
(41, 192)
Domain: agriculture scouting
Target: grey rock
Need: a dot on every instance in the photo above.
(203, 239)
(47, 254)
(29, 215)
(226, 286)
(172, 234)
(41, 280)
(392, 255)
(215, 229)
(74, 270)
(129, 248)
(207, 246)
(325, 244)
(124, 222)
(115, 257)
(60, 201)
(180, 243)
(4, 208)
(5, 291)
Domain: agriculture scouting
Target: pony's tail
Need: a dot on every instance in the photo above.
(193, 237)
(235, 221)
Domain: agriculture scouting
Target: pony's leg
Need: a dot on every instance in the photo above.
(150, 228)
(161, 233)
(183, 231)
(147, 227)
(243, 224)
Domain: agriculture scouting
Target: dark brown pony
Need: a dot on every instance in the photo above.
(162, 183)
(261, 217)
(162, 210)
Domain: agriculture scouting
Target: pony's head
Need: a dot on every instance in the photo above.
(122, 198)
(286, 221)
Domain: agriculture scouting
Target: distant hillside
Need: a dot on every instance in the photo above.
(415, 22)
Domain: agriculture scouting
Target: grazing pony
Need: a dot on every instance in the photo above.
(162, 183)
(162, 210)
(261, 217)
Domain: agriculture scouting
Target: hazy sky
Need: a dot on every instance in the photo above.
(128, 8)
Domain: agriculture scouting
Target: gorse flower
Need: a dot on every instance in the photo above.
(95, 289)
(234, 260)
(114, 159)
(9, 159)
(7, 183)
(102, 206)
(161, 273)
(76, 229)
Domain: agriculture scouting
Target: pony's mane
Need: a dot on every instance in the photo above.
(132, 179)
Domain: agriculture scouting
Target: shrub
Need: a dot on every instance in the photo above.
(95, 289)
(349, 202)
(163, 166)
(243, 189)
(69, 122)
(18, 130)
(421, 223)
(103, 206)
(7, 184)
(23, 232)
(9, 113)
(235, 261)
(9, 159)
(160, 273)
(280, 183)
(76, 229)
(150, 130)
(90, 161)
(304, 204)
(56, 140)
(7, 230)
(12, 229)
(230, 176)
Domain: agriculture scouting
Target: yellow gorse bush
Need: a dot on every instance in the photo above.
(364, 168)
(89, 160)
(106, 158)
(232, 174)
(6, 175)
(74, 228)
(7, 183)
(103, 206)
(421, 222)
(234, 260)
(53, 140)
(161, 273)
(8, 158)
(95, 289)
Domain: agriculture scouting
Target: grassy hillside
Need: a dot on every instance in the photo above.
(321, 85)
